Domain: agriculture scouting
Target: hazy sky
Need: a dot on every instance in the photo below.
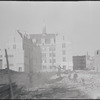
(80, 21)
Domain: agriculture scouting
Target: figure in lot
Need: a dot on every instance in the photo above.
(59, 71)
(69, 76)
(75, 77)
(83, 81)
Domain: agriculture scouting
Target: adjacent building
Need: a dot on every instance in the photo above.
(15, 57)
(83, 62)
(97, 61)
(79, 62)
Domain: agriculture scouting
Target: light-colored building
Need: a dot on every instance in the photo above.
(53, 48)
(15, 57)
(89, 62)
(21, 58)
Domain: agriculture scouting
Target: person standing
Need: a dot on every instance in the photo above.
(59, 71)
(75, 77)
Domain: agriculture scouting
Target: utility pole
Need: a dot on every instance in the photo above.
(9, 76)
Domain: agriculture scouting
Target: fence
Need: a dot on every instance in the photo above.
(5, 91)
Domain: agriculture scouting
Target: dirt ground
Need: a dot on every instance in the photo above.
(90, 88)
(22, 78)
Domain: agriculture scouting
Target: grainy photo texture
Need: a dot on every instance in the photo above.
(49, 50)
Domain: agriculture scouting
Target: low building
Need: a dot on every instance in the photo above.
(79, 62)
(97, 61)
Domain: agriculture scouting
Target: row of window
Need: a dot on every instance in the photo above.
(50, 48)
(8, 56)
(51, 61)
(63, 45)
(54, 60)
(9, 65)
(53, 67)
(53, 54)
(53, 48)
(46, 41)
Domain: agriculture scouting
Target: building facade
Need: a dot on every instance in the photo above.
(41, 52)
(15, 57)
(53, 49)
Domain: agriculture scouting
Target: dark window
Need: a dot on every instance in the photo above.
(63, 38)
(43, 55)
(64, 59)
(44, 67)
(54, 60)
(64, 66)
(10, 55)
(97, 52)
(0, 56)
(54, 40)
(14, 46)
(52, 55)
(63, 45)
(50, 61)
(47, 41)
(51, 67)
(45, 60)
(52, 48)
(20, 69)
(63, 52)
(11, 64)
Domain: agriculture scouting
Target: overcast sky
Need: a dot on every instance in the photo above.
(80, 21)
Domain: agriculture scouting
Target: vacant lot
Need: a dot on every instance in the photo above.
(22, 78)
